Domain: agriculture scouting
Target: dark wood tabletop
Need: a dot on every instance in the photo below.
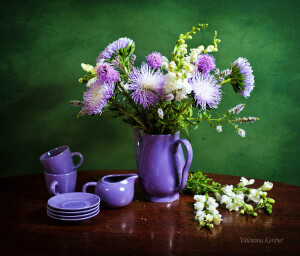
(143, 228)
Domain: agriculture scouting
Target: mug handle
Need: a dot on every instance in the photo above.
(53, 186)
(87, 185)
(81, 159)
(188, 162)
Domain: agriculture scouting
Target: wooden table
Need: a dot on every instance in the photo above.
(143, 228)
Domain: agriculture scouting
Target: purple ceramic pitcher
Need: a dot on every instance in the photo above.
(115, 191)
(162, 168)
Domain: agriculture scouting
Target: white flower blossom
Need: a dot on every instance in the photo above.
(244, 182)
(165, 63)
(218, 196)
(160, 113)
(91, 81)
(210, 48)
(199, 206)
(219, 128)
(200, 198)
(225, 199)
(209, 217)
(267, 186)
(88, 68)
(200, 215)
(217, 218)
(241, 132)
(254, 195)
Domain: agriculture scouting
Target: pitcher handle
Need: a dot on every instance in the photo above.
(87, 185)
(189, 158)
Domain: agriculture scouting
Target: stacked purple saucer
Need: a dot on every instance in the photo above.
(76, 207)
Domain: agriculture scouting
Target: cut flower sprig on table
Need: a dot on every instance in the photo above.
(165, 96)
(209, 194)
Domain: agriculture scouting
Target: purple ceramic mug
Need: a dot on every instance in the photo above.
(60, 160)
(60, 183)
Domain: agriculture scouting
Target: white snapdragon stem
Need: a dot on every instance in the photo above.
(206, 211)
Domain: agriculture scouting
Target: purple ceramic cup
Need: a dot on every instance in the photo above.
(60, 183)
(60, 160)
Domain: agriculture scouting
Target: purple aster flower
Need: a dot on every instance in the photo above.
(96, 97)
(155, 60)
(107, 74)
(242, 78)
(112, 48)
(206, 89)
(146, 84)
(206, 63)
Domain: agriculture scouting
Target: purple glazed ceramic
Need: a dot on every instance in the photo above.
(75, 220)
(115, 191)
(76, 201)
(60, 183)
(162, 168)
(71, 213)
(60, 160)
(76, 216)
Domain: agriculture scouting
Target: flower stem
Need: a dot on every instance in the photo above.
(226, 81)
(182, 110)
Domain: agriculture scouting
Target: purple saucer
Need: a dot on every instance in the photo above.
(72, 216)
(71, 213)
(74, 201)
(77, 220)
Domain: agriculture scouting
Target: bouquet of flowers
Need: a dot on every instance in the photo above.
(164, 96)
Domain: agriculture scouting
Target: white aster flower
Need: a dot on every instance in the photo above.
(267, 186)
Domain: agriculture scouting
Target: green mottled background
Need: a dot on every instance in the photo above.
(44, 42)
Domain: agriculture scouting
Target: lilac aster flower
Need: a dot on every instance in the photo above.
(155, 60)
(107, 74)
(112, 48)
(206, 63)
(96, 97)
(242, 78)
(206, 89)
(146, 84)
